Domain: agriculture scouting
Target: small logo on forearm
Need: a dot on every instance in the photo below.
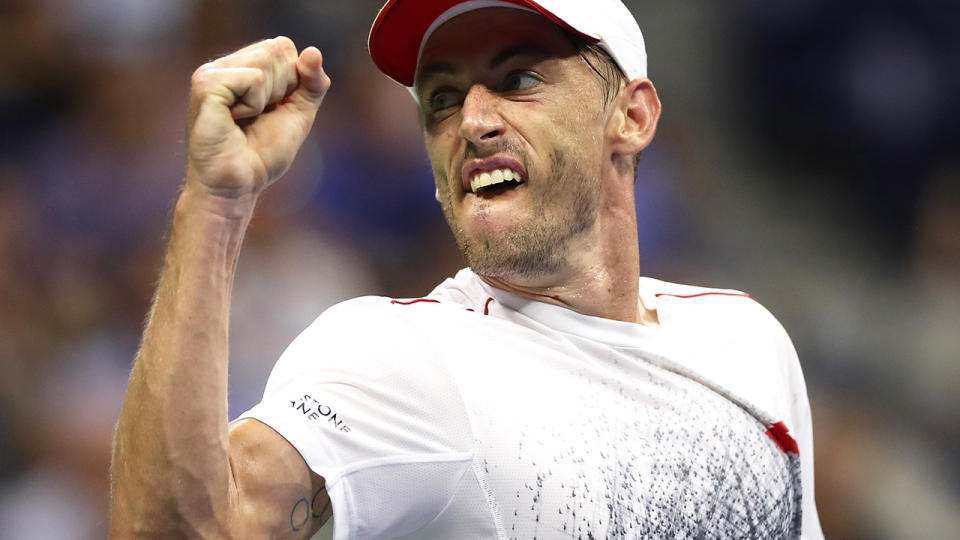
(318, 412)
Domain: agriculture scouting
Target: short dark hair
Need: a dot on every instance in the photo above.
(612, 78)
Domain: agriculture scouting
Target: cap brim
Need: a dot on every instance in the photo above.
(399, 28)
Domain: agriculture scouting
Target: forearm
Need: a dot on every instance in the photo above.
(170, 469)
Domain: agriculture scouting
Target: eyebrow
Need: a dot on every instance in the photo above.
(516, 50)
(445, 68)
(437, 69)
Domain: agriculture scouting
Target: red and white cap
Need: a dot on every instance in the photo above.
(402, 28)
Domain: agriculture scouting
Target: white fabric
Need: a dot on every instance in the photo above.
(460, 9)
(612, 23)
(481, 414)
(608, 21)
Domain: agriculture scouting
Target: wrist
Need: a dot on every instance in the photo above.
(207, 232)
(197, 198)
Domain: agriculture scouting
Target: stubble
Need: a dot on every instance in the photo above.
(563, 207)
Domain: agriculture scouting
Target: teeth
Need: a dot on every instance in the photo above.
(498, 176)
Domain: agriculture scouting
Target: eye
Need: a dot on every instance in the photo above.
(520, 80)
(443, 98)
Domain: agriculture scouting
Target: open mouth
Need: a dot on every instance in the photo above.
(494, 182)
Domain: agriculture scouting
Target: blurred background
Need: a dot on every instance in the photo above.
(807, 154)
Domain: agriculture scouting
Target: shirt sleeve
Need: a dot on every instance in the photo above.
(780, 387)
(801, 418)
(363, 399)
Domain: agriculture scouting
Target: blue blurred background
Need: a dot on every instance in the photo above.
(807, 154)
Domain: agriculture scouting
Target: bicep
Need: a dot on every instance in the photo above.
(274, 494)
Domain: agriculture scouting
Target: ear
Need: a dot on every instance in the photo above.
(634, 122)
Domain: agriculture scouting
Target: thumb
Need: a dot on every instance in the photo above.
(313, 80)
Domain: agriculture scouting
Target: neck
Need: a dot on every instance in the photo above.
(600, 279)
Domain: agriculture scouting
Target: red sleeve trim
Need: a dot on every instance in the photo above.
(486, 307)
(658, 295)
(780, 435)
(408, 302)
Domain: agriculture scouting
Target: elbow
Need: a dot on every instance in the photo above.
(142, 527)
(166, 517)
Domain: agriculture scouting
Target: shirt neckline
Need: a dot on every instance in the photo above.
(568, 321)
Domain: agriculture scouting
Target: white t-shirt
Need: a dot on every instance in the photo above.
(475, 413)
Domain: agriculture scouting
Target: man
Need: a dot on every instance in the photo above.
(547, 392)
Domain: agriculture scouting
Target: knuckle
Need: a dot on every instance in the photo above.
(200, 80)
(285, 43)
(200, 73)
(284, 51)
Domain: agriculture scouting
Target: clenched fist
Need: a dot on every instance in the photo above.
(249, 113)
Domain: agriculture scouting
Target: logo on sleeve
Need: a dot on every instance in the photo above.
(318, 412)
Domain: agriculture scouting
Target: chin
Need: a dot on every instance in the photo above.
(518, 252)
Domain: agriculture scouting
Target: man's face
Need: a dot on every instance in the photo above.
(505, 93)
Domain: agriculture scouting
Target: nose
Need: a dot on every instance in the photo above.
(481, 122)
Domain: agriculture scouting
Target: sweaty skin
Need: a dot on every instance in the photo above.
(523, 92)
(178, 468)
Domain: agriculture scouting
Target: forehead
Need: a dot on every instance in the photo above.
(479, 35)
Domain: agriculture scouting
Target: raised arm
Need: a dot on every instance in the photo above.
(178, 469)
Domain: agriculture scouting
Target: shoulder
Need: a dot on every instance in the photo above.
(374, 327)
(369, 311)
(741, 343)
(352, 334)
(460, 294)
(388, 316)
(725, 320)
(366, 339)
(729, 309)
(668, 291)
(354, 319)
